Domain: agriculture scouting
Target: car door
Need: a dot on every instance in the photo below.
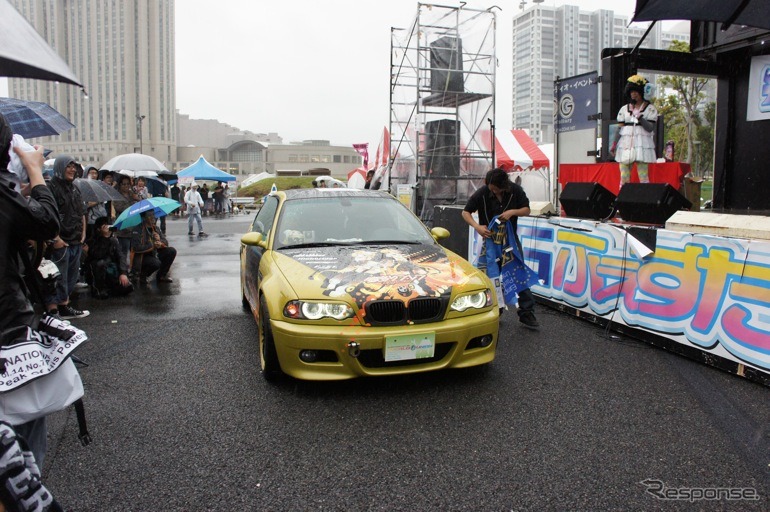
(252, 255)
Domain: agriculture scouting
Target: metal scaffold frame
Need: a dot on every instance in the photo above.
(442, 105)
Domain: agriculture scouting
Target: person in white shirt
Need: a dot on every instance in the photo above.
(194, 202)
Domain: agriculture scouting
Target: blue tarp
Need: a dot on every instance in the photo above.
(202, 170)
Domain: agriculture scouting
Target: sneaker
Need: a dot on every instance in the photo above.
(190, 233)
(528, 319)
(203, 234)
(80, 285)
(67, 312)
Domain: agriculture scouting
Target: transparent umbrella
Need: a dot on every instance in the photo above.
(135, 162)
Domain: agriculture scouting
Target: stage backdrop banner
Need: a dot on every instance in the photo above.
(706, 292)
(758, 107)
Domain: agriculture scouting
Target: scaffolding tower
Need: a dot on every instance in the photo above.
(442, 105)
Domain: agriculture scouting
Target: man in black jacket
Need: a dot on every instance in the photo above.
(22, 219)
(107, 263)
(68, 246)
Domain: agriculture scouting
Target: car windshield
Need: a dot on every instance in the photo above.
(348, 221)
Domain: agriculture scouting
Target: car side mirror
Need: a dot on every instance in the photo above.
(439, 233)
(254, 238)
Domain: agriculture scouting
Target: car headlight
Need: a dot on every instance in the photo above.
(477, 300)
(306, 310)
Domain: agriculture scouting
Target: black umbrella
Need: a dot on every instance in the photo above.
(24, 54)
(156, 187)
(752, 13)
(96, 191)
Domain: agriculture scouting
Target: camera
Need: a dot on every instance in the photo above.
(49, 275)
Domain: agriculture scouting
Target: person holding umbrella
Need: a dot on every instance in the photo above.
(22, 219)
(123, 185)
(151, 250)
(106, 262)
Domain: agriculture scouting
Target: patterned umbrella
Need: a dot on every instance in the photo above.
(132, 216)
(33, 118)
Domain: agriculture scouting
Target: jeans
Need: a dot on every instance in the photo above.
(197, 217)
(67, 260)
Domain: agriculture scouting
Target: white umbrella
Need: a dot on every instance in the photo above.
(135, 162)
(138, 174)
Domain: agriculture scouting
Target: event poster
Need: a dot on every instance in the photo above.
(758, 107)
(577, 102)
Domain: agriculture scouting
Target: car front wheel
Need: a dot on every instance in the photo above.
(271, 368)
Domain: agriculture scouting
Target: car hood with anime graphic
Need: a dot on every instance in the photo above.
(376, 272)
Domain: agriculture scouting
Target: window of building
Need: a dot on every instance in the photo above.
(337, 159)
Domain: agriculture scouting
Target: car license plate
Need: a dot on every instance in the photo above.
(409, 346)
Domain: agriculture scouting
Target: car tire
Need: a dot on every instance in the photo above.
(271, 368)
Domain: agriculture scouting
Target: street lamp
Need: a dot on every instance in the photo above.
(139, 119)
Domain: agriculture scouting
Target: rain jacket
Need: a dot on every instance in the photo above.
(20, 220)
(68, 201)
(143, 241)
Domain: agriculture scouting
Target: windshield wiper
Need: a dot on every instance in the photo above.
(384, 242)
(311, 244)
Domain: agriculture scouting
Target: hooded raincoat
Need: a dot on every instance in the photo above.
(68, 202)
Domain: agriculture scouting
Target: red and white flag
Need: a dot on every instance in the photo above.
(363, 150)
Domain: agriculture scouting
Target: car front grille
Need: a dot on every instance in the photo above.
(424, 309)
(394, 312)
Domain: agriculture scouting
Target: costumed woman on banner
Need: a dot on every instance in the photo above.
(634, 140)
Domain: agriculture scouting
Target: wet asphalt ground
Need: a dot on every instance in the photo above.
(566, 418)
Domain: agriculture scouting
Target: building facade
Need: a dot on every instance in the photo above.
(246, 156)
(123, 52)
(550, 42)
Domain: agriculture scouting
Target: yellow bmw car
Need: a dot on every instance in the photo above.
(346, 283)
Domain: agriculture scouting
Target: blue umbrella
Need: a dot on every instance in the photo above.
(132, 216)
(33, 118)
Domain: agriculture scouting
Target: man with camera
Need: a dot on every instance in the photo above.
(67, 247)
(22, 219)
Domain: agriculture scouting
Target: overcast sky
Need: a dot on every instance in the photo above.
(311, 69)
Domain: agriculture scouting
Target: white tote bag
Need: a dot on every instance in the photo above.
(42, 396)
(38, 376)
